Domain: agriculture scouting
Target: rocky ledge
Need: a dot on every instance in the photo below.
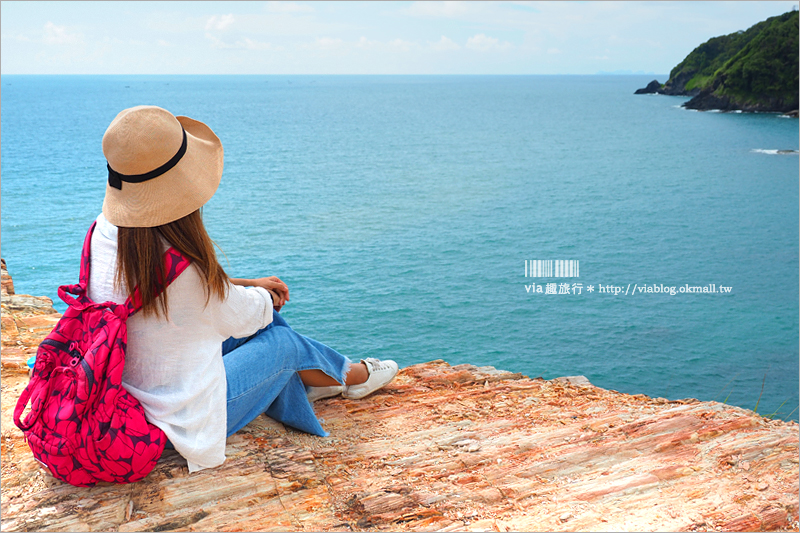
(445, 448)
(707, 100)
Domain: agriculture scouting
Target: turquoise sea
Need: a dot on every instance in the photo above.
(401, 211)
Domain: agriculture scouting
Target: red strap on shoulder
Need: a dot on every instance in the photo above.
(174, 265)
(80, 288)
(86, 261)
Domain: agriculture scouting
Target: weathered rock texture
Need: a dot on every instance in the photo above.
(441, 448)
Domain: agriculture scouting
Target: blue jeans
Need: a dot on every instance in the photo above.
(262, 376)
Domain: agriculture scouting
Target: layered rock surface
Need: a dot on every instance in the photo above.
(449, 448)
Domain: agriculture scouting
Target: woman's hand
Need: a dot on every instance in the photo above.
(276, 287)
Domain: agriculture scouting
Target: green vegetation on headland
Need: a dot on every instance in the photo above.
(753, 70)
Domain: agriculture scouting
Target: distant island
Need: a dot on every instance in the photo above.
(753, 70)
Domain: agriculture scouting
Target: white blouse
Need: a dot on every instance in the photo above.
(174, 367)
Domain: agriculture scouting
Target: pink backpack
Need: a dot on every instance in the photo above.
(83, 425)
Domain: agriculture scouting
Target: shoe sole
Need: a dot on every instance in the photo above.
(376, 389)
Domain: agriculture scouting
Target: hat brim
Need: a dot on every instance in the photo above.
(179, 192)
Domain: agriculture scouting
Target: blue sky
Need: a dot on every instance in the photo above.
(363, 37)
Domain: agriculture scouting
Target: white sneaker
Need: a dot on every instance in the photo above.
(318, 393)
(380, 374)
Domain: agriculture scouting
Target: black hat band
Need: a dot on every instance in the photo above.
(115, 179)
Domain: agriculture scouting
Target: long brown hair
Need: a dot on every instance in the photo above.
(140, 260)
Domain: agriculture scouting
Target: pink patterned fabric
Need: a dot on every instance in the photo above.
(82, 424)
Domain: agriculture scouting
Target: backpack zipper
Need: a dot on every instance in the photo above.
(57, 344)
(71, 349)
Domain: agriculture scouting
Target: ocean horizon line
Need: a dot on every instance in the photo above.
(598, 74)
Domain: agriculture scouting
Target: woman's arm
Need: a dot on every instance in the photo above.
(277, 288)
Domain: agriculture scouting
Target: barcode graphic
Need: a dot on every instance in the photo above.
(552, 268)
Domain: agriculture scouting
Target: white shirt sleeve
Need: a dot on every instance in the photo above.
(244, 311)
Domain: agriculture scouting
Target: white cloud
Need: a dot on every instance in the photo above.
(244, 43)
(250, 44)
(58, 35)
(365, 43)
(526, 4)
(484, 43)
(18, 37)
(448, 9)
(323, 43)
(401, 45)
(215, 42)
(219, 22)
(288, 7)
(443, 45)
(326, 43)
(649, 36)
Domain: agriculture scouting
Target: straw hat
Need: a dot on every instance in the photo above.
(160, 167)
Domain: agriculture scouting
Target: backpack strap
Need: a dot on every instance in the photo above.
(174, 265)
(79, 289)
(38, 389)
(86, 258)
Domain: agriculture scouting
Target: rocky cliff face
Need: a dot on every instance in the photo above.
(676, 85)
(442, 448)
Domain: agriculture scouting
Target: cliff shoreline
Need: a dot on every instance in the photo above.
(753, 71)
(708, 101)
(446, 448)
